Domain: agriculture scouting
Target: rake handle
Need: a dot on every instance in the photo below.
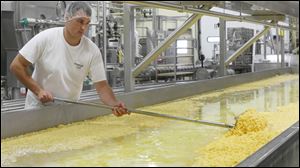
(149, 113)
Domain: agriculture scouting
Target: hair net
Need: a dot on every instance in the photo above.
(78, 9)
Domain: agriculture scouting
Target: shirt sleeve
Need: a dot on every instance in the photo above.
(97, 70)
(34, 48)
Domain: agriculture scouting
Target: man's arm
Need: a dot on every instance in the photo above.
(108, 98)
(19, 67)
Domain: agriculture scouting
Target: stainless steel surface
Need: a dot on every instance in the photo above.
(88, 95)
(36, 119)
(165, 44)
(282, 151)
(7, 6)
(266, 66)
(8, 36)
(246, 46)
(149, 113)
(129, 47)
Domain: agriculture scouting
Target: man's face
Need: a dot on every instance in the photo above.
(78, 24)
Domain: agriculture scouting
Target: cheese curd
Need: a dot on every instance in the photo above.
(252, 131)
(136, 139)
(249, 121)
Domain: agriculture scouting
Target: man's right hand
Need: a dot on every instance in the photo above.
(45, 96)
(19, 67)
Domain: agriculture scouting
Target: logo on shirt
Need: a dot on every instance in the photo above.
(78, 66)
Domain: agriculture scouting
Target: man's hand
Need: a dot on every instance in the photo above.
(45, 96)
(107, 96)
(120, 109)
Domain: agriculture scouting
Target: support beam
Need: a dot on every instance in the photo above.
(169, 6)
(104, 34)
(221, 71)
(282, 50)
(265, 47)
(199, 46)
(246, 46)
(165, 44)
(129, 47)
(278, 17)
(277, 44)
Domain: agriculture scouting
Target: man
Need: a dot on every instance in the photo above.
(63, 57)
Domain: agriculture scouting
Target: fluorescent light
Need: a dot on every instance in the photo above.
(213, 39)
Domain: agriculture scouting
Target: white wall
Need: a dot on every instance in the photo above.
(208, 28)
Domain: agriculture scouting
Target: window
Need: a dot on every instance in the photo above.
(182, 46)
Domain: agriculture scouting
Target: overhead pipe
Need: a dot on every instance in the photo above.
(224, 16)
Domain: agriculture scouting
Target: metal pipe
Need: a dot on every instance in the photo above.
(104, 34)
(223, 51)
(34, 21)
(282, 50)
(166, 43)
(277, 44)
(224, 16)
(198, 34)
(150, 114)
(265, 47)
(246, 46)
(129, 47)
(98, 6)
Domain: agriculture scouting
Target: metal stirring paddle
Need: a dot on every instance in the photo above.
(150, 113)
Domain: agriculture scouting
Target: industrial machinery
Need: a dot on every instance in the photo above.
(177, 62)
(237, 37)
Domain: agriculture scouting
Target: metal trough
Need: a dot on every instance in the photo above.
(285, 146)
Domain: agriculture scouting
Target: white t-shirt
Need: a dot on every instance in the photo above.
(59, 67)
